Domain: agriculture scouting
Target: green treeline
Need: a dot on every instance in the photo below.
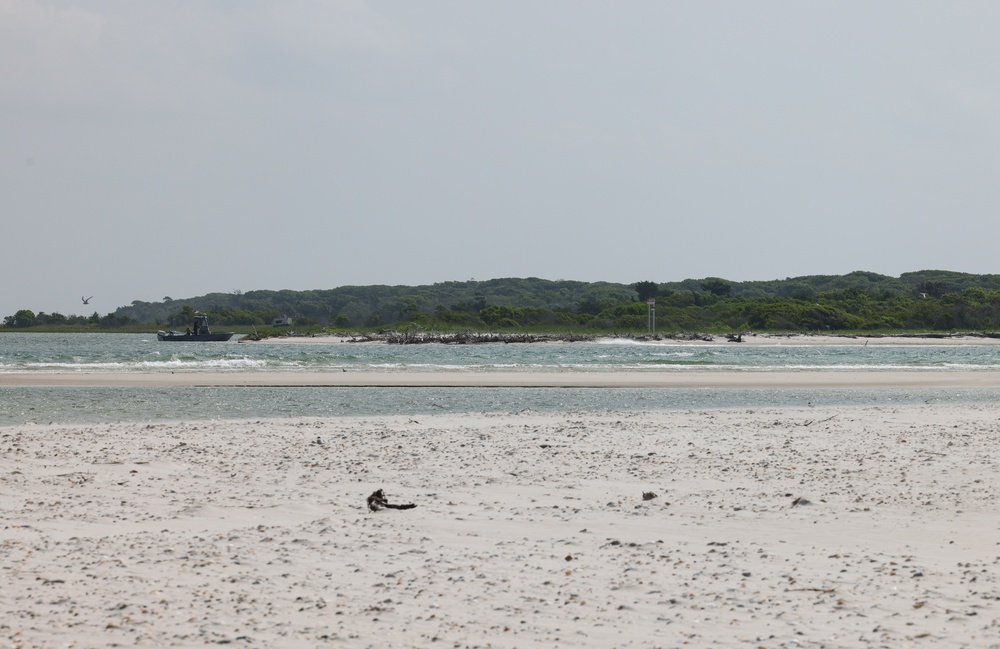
(449, 303)
(859, 301)
(925, 300)
(27, 318)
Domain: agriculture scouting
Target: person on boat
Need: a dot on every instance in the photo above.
(188, 332)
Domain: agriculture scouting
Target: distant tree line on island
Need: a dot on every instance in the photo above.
(27, 318)
(858, 301)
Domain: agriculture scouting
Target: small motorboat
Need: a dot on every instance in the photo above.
(198, 332)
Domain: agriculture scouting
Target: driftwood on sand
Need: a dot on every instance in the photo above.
(378, 500)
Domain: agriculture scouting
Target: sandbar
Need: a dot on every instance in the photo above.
(646, 379)
(748, 340)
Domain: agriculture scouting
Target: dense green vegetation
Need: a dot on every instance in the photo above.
(26, 318)
(858, 301)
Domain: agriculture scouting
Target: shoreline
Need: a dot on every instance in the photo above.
(482, 338)
(472, 379)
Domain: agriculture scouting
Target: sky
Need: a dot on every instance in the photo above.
(155, 149)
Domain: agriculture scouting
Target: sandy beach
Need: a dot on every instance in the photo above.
(818, 527)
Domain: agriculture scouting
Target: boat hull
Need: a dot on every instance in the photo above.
(177, 336)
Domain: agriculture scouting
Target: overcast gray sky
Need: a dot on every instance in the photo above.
(152, 149)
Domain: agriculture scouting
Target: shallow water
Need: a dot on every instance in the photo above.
(20, 352)
(83, 353)
(42, 405)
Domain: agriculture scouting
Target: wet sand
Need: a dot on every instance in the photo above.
(648, 379)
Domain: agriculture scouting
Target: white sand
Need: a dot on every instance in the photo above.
(530, 531)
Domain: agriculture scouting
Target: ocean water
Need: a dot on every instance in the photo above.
(40, 353)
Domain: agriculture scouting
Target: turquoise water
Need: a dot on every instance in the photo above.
(40, 353)
(21, 352)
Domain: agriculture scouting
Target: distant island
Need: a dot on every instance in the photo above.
(922, 301)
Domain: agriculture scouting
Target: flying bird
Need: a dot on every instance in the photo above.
(86, 300)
